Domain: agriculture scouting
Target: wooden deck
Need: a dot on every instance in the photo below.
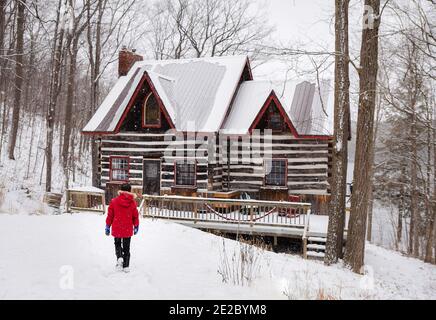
(279, 219)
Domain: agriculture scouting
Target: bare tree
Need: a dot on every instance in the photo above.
(223, 28)
(405, 164)
(77, 26)
(19, 52)
(55, 86)
(355, 247)
(99, 36)
(334, 244)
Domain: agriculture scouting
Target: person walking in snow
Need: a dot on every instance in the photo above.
(123, 218)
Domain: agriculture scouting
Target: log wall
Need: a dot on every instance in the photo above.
(309, 161)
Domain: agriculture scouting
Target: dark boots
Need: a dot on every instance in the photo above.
(122, 250)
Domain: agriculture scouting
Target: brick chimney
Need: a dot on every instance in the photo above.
(126, 59)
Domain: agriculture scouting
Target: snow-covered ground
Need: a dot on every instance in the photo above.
(69, 257)
(28, 171)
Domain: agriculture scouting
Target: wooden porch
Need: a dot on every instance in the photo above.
(277, 219)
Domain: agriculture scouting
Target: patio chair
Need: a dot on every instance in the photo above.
(246, 209)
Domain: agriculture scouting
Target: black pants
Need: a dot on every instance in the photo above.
(122, 250)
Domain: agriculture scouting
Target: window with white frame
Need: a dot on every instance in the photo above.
(119, 168)
(276, 172)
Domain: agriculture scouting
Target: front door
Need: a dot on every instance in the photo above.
(151, 176)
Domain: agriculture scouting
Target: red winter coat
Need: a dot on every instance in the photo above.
(123, 215)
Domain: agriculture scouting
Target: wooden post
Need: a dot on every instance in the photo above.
(305, 248)
(103, 201)
(144, 207)
(68, 200)
(251, 215)
(195, 212)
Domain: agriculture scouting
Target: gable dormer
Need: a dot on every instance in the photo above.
(146, 112)
(272, 119)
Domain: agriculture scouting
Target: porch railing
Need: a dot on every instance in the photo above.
(251, 212)
(305, 234)
(85, 200)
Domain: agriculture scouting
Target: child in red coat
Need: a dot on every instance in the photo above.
(123, 217)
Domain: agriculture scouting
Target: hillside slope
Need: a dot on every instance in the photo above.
(40, 253)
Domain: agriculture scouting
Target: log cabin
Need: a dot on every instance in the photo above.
(204, 127)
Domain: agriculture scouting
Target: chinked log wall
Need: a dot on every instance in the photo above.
(309, 161)
(140, 146)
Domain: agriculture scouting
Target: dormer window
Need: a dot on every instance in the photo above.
(275, 119)
(151, 112)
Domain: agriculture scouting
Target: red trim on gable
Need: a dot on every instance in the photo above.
(132, 100)
(159, 100)
(273, 98)
(144, 78)
(96, 133)
(249, 69)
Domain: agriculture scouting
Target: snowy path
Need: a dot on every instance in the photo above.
(170, 261)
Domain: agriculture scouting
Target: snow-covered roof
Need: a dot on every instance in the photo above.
(86, 189)
(111, 109)
(251, 96)
(304, 111)
(192, 90)
(197, 94)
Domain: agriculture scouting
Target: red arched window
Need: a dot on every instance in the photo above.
(151, 112)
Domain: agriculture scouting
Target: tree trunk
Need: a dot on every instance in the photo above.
(355, 248)
(2, 32)
(95, 62)
(4, 86)
(53, 95)
(431, 221)
(18, 77)
(401, 208)
(71, 87)
(371, 191)
(336, 210)
(2, 73)
(413, 187)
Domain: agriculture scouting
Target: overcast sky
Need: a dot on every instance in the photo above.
(299, 23)
(305, 24)
(302, 20)
(308, 24)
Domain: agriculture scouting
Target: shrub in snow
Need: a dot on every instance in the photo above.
(305, 284)
(241, 266)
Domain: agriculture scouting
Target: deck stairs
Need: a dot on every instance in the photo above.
(315, 248)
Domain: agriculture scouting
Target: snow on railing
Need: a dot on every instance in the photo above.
(252, 212)
(85, 199)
